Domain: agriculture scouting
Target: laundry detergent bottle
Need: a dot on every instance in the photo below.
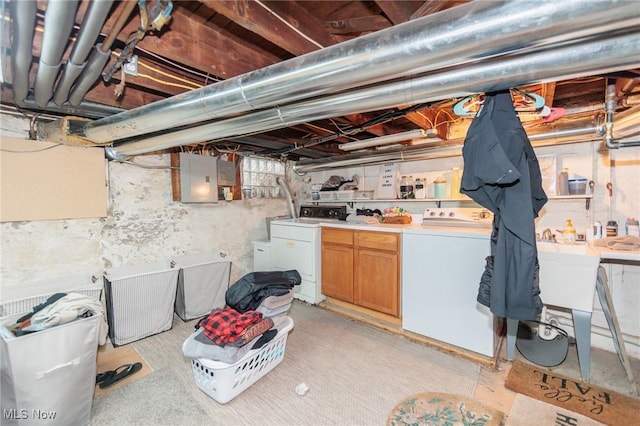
(569, 232)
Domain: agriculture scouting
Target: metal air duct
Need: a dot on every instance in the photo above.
(23, 19)
(87, 36)
(586, 58)
(458, 35)
(583, 130)
(58, 21)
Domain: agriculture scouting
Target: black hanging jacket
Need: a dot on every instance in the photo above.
(501, 173)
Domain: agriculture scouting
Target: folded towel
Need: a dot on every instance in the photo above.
(361, 219)
(625, 242)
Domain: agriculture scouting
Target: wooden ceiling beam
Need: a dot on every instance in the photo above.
(357, 25)
(397, 11)
(213, 51)
(299, 35)
(431, 118)
(433, 6)
(548, 91)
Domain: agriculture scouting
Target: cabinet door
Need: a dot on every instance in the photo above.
(377, 280)
(337, 271)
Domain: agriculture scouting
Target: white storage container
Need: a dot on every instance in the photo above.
(262, 255)
(223, 382)
(20, 299)
(48, 377)
(140, 300)
(203, 280)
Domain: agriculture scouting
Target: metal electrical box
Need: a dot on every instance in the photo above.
(198, 178)
(226, 173)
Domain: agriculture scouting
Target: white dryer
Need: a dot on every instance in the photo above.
(442, 263)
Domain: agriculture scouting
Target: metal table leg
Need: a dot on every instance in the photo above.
(602, 286)
(512, 334)
(582, 329)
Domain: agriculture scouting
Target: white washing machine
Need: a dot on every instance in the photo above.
(295, 244)
(442, 264)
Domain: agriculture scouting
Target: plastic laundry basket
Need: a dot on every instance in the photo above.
(223, 382)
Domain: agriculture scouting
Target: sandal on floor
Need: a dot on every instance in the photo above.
(101, 377)
(113, 377)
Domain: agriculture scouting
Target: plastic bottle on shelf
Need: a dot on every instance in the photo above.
(406, 188)
(612, 228)
(455, 183)
(563, 182)
(633, 227)
(418, 188)
(569, 232)
(597, 230)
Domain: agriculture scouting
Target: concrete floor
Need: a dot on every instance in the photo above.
(606, 369)
(606, 372)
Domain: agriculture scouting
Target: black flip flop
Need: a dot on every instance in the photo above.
(101, 377)
(110, 378)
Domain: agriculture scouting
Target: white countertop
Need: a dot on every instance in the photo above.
(414, 228)
(608, 254)
(417, 228)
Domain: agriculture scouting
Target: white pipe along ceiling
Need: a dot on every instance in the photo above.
(472, 48)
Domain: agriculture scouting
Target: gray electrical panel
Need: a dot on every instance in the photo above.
(226, 173)
(198, 178)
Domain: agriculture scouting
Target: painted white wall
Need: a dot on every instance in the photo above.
(621, 167)
(143, 224)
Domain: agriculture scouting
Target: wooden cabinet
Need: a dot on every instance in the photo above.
(337, 263)
(362, 267)
(377, 271)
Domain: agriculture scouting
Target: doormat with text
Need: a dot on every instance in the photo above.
(598, 403)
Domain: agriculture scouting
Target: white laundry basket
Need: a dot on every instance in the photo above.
(48, 377)
(223, 382)
(203, 280)
(140, 300)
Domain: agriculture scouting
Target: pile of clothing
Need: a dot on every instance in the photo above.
(58, 309)
(256, 308)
